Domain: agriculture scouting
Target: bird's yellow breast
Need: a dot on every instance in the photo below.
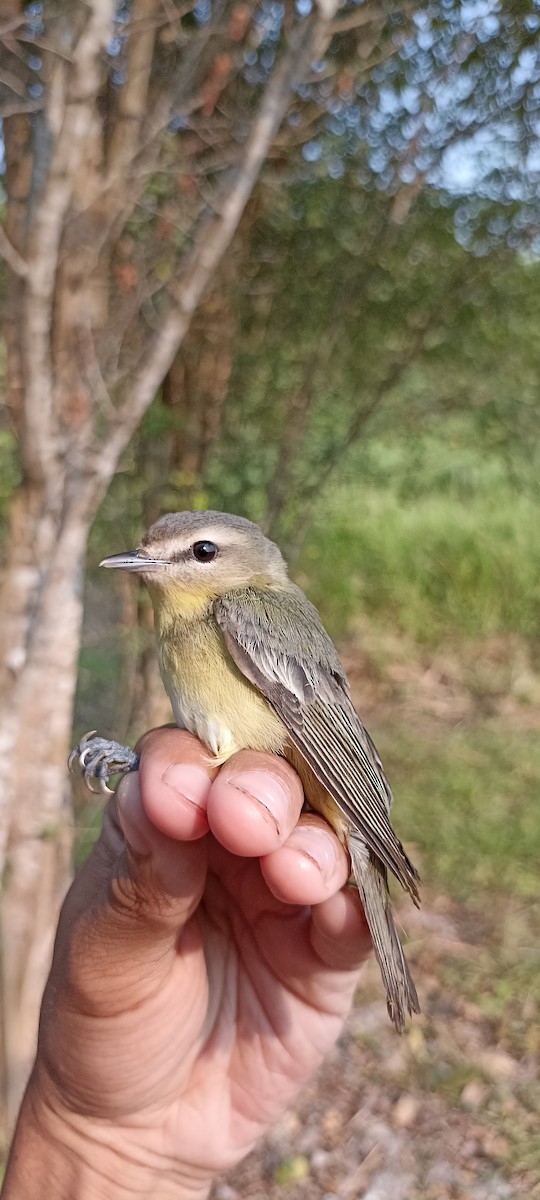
(209, 695)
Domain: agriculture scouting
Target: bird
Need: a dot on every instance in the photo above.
(247, 664)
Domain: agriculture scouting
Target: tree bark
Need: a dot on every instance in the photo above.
(42, 612)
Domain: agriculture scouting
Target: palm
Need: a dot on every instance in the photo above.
(246, 991)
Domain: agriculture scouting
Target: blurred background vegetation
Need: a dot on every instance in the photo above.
(362, 378)
(405, 489)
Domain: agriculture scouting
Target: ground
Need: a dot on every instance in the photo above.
(450, 1110)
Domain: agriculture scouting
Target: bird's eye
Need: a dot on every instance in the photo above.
(204, 551)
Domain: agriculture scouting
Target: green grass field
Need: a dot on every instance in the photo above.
(468, 798)
(435, 567)
(431, 537)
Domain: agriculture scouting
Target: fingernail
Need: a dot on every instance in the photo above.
(266, 791)
(189, 783)
(317, 846)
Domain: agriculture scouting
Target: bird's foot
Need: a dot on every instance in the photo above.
(100, 758)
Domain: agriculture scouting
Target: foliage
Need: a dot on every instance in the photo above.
(424, 513)
(434, 538)
(467, 799)
(9, 469)
(352, 325)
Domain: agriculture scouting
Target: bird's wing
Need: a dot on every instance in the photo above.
(277, 641)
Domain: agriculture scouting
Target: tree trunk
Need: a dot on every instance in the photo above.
(42, 608)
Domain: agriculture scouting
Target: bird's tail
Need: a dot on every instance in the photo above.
(401, 997)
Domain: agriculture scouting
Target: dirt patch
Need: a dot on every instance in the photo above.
(493, 678)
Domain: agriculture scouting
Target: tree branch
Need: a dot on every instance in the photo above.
(14, 260)
(212, 239)
(70, 119)
(359, 420)
(367, 15)
(133, 97)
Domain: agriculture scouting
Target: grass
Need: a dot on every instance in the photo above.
(468, 799)
(433, 567)
(433, 535)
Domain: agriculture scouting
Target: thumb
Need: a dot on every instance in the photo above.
(124, 940)
(124, 920)
(158, 882)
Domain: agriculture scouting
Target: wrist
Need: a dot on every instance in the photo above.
(84, 1159)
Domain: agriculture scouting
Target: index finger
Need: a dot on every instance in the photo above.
(251, 805)
(176, 775)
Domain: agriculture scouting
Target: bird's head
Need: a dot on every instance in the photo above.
(203, 555)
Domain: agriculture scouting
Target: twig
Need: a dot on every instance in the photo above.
(71, 113)
(212, 238)
(15, 260)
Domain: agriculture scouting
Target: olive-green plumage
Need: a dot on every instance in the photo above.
(247, 664)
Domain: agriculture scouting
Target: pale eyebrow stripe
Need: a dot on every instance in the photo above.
(218, 537)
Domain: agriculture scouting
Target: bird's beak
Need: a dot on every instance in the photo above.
(133, 560)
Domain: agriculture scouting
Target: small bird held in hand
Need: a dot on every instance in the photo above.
(248, 665)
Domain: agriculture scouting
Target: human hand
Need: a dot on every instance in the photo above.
(197, 981)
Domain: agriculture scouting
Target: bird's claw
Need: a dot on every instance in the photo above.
(100, 758)
(78, 752)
